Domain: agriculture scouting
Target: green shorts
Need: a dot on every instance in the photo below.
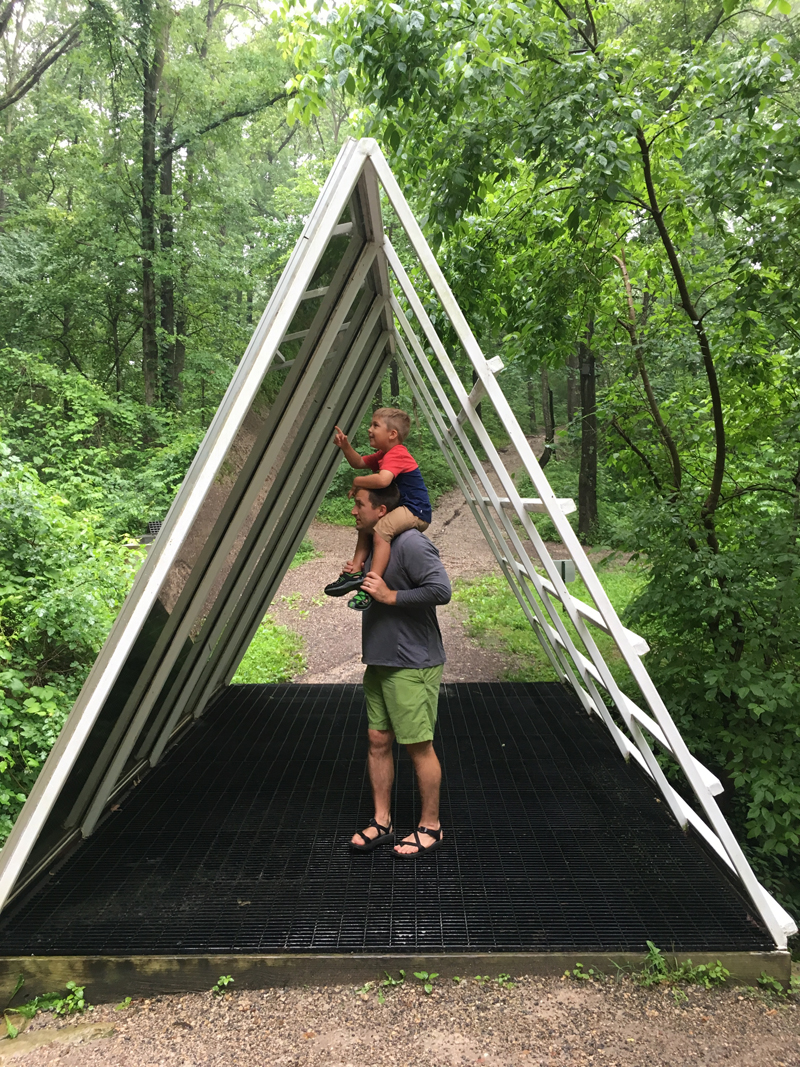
(405, 700)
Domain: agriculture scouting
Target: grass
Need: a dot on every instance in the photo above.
(305, 552)
(275, 655)
(494, 616)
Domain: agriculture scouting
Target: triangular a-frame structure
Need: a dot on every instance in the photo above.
(342, 310)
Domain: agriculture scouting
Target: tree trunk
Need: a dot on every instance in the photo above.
(548, 418)
(587, 479)
(532, 402)
(151, 74)
(573, 386)
(167, 240)
(478, 408)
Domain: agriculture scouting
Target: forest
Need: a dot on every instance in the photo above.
(613, 191)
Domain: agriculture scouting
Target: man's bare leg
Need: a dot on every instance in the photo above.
(429, 779)
(380, 767)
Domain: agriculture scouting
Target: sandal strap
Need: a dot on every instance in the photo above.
(382, 830)
(435, 834)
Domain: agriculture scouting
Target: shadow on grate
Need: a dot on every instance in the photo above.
(237, 843)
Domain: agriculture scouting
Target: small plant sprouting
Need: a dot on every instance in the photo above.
(362, 992)
(71, 1002)
(389, 981)
(657, 971)
(457, 979)
(482, 979)
(772, 985)
(581, 975)
(221, 985)
(427, 978)
(126, 1003)
(504, 981)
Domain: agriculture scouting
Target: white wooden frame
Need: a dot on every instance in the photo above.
(381, 328)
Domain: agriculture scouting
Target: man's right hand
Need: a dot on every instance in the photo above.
(340, 439)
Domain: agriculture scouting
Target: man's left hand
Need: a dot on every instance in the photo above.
(378, 589)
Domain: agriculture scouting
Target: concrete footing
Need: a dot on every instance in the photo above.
(115, 977)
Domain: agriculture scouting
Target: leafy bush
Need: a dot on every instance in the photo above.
(723, 629)
(111, 456)
(61, 585)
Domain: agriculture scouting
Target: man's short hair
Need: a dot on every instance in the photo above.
(389, 496)
(395, 419)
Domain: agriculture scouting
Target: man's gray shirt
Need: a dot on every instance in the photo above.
(406, 634)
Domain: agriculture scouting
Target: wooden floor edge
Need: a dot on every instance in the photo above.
(115, 977)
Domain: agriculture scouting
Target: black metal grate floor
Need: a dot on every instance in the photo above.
(237, 842)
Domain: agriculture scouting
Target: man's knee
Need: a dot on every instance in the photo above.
(420, 750)
(380, 741)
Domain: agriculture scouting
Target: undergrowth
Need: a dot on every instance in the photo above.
(494, 615)
(70, 1001)
(275, 655)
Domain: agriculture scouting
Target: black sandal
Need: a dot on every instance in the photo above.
(385, 833)
(422, 850)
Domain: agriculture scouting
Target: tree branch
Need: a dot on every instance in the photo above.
(238, 113)
(636, 345)
(68, 39)
(638, 452)
(715, 488)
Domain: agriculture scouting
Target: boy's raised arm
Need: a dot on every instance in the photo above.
(379, 480)
(350, 454)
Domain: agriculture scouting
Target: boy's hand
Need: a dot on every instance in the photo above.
(378, 589)
(340, 439)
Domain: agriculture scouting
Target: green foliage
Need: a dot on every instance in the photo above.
(427, 979)
(61, 584)
(656, 970)
(581, 974)
(107, 455)
(773, 986)
(221, 985)
(71, 1001)
(305, 552)
(275, 655)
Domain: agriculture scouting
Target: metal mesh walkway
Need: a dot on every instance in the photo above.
(237, 842)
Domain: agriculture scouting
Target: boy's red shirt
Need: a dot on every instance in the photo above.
(406, 473)
(397, 460)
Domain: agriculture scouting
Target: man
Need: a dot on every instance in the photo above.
(402, 647)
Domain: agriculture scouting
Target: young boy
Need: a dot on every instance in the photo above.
(391, 461)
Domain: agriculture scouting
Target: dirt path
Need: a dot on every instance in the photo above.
(332, 632)
(537, 1023)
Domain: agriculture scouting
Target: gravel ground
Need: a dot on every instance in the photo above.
(537, 1022)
